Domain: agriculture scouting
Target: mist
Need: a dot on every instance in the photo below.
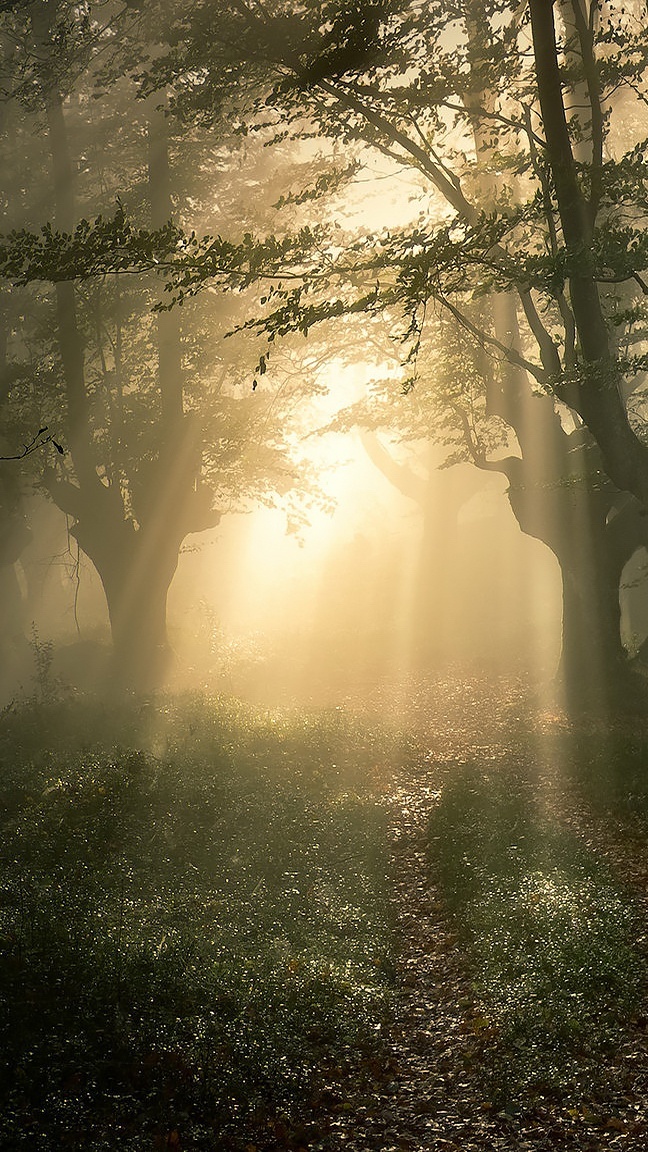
(305, 500)
(316, 614)
(323, 575)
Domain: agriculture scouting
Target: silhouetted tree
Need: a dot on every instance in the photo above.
(526, 220)
(158, 441)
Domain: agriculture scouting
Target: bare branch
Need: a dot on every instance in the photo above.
(40, 440)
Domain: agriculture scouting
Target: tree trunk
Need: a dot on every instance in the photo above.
(551, 492)
(434, 611)
(597, 397)
(136, 595)
(591, 548)
(594, 670)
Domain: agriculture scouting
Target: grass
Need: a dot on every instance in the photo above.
(612, 771)
(549, 935)
(194, 918)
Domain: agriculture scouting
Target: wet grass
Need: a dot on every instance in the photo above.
(550, 936)
(194, 918)
(195, 927)
(611, 770)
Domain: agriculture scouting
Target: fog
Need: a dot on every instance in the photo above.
(337, 610)
(316, 613)
(323, 575)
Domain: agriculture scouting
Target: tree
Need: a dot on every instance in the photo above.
(437, 613)
(140, 465)
(557, 491)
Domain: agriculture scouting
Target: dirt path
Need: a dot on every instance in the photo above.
(421, 1087)
(424, 1090)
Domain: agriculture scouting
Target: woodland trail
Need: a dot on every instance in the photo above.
(424, 1087)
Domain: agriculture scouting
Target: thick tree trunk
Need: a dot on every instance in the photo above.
(136, 594)
(136, 568)
(591, 548)
(594, 670)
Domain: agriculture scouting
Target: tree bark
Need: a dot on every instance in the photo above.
(136, 586)
(591, 546)
(594, 669)
(552, 493)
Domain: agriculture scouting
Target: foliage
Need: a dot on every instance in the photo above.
(457, 110)
(162, 426)
(452, 92)
(550, 936)
(194, 918)
(114, 244)
(119, 335)
(421, 97)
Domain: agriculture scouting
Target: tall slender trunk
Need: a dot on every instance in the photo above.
(597, 397)
(551, 492)
(168, 323)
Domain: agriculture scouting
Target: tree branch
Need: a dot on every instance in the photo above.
(402, 477)
(548, 350)
(453, 195)
(506, 465)
(35, 444)
(509, 354)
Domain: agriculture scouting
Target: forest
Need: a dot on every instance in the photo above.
(323, 575)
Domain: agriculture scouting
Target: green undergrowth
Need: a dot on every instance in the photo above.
(611, 769)
(193, 917)
(549, 936)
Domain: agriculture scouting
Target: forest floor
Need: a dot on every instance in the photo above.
(419, 921)
(452, 1077)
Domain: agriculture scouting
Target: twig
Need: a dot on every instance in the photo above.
(38, 441)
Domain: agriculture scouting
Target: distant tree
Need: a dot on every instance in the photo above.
(557, 489)
(440, 576)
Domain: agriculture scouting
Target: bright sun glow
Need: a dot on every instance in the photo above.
(377, 584)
